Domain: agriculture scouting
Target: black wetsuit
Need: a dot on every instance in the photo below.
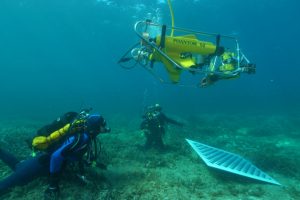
(23, 171)
(154, 127)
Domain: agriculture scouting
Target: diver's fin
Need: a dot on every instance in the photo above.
(226, 161)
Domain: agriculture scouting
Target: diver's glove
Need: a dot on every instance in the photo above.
(52, 193)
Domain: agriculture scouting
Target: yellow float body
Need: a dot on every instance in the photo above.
(174, 47)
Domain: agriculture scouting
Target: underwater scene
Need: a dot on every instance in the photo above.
(149, 99)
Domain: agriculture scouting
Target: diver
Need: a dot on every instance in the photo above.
(72, 143)
(74, 147)
(153, 126)
(229, 68)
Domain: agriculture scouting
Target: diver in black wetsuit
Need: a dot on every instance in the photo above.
(153, 126)
(24, 171)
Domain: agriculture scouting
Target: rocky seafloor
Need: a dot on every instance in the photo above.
(271, 142)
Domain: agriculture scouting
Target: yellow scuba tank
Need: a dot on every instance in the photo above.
(227, 67)
(227, 56)
(43, 142)
(228, 62)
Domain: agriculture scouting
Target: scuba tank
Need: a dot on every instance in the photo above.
(57, 123)
(43, 142)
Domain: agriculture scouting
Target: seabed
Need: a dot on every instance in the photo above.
(271, 142)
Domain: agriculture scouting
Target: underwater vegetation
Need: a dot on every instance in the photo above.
(270, 142)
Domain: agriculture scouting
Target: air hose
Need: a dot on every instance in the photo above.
(172, 17)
